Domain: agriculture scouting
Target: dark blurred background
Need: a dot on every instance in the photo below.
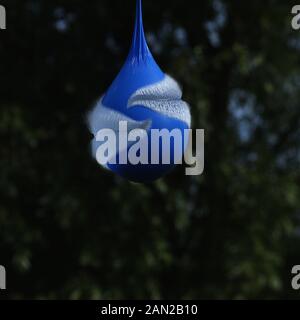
(70, 230)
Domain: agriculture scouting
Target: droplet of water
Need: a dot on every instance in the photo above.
(146, 98)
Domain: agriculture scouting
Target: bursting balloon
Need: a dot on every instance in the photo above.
(147, 99)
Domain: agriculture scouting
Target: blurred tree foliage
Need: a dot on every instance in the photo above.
(69, 229)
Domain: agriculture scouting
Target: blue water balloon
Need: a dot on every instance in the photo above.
(147, 99)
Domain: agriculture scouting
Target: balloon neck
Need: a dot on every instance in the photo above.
(139, 49)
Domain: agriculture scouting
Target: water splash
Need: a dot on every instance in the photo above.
(163, 97)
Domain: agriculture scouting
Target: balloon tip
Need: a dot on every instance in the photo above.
(139, 49)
